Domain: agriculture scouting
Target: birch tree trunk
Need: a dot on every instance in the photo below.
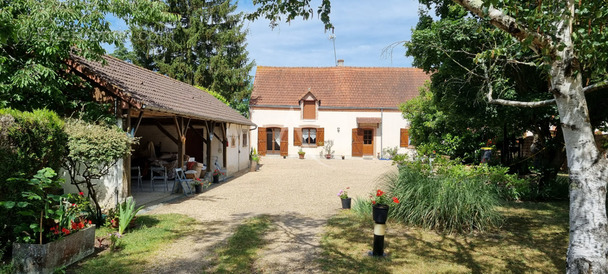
(588, 235)
(588, 247)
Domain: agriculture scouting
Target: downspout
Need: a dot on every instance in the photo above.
(381, 135)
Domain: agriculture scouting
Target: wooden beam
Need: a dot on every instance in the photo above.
(163, 130)
(224, 147)
(210, 126)
(141, 115)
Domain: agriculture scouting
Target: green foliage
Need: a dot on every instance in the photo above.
(206, 48)
(36, 207)
(215, 94)
(126, 213)
(29, 141)
(38, 37)
(453, 199)
(93, 150)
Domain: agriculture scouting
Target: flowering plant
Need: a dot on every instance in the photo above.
(382, 199)
(217, 172)
(203, 183)
(70, 216)
(343, 194)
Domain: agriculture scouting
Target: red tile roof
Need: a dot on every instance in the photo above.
(158, 92)
(340, 87)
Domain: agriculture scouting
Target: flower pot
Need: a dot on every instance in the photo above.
(45, 258)
(380, 213)
(253, 167)
(198, 188)
(346, 203)
(301, 156)
(342, 157)
(216, 179)
(328, 156)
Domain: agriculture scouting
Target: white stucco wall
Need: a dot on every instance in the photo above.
(106, 188)
(238, 155)
(387, 135)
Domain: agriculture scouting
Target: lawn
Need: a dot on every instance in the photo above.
(136, 246)
(534, 238)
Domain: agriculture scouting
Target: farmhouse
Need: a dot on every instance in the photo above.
(355, 107)
(171, 118)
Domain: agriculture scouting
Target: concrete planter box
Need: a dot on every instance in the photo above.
(37, 258)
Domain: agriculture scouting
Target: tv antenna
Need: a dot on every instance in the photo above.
(332, 37)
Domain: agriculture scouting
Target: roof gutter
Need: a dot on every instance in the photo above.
(328, 107)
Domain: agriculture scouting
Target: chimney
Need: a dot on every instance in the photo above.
(340, 63)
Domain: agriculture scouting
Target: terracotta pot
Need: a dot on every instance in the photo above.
(301, 156)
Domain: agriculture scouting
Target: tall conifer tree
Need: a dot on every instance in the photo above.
(205, 48)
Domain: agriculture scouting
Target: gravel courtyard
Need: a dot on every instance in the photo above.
(300, 195)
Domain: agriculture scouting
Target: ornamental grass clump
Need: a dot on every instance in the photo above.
(437, 201)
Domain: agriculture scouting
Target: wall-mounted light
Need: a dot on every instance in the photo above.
(210, 137)
(338, 129)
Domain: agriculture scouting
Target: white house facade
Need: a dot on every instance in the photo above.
(356, 108)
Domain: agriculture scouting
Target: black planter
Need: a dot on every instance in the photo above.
(346, 203)
(216, 179)
(198, 188)
(380, 213)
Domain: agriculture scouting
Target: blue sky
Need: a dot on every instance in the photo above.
(363, 30)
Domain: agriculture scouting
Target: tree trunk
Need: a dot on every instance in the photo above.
(588, 235)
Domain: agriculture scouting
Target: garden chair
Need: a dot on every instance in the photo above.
(136, 174)
(158, 173)
(183, 182)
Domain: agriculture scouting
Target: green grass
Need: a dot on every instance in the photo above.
(152, 233)
(241, 250)
(534, 238)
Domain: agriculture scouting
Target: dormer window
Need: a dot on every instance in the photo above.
(309, 110)
(309, 105)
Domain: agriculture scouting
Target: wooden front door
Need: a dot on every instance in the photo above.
(357, 142)
(368, 141)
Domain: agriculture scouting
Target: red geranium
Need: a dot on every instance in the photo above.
(382, 199)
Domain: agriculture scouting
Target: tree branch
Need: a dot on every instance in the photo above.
(595, 87)
(507, 23)
(510, 102)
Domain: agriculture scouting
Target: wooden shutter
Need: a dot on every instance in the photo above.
(357, 143)
(320, 136)
(284, 141)
(309, 110)
(262, 141)
(297, 136)
(404, 139)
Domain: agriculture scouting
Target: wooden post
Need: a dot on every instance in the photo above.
(224, 128)
(127, 160)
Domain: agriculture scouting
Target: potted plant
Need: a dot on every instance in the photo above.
(255, 162)
(343, 194)
(301, 153)
(216, 176)
(60, 232)
(380, 204)
(327, 149)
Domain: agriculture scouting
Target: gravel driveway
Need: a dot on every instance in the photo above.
(300, 195)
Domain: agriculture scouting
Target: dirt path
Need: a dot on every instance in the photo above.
(299, 195)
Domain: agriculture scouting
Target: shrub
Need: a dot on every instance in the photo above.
(443, 200)
(93, 151)
(29, 141)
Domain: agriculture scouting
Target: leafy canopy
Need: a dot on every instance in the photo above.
(38, 36)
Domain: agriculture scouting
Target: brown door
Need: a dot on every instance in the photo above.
(273, 140)
(357, 142)
(368, 141)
